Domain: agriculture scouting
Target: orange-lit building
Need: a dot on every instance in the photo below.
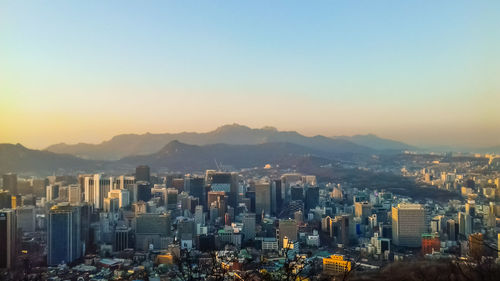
(335, 264)
(430, 243)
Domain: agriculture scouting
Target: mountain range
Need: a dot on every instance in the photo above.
(127, 145)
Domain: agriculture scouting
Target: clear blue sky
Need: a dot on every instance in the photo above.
(425, 72)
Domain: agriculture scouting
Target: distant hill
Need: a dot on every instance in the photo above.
(19, 159)
(134, 144)
(375, 142)
(186, 157)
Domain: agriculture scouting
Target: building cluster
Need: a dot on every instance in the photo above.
(102, 227)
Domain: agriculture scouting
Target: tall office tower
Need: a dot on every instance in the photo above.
(199, 215)
(464, 224)
(298, 216)
(122, 238)
(26, 218)
(123, 196)
(312, 198)
(263, 198)
(8, 227)
(142, 173)
(96, 188)
(5, 200)
(188, 203)
(160, 191)
(196, 187)
(64, 241)
(362, 210)
(10, 183)
(111, 205)
(142, 191)
(470, 208)
(287, 180)
(219, 200)
(297, 193)
(408, 225)
(74, 194)
(122, 182)
(342, 228)
(63, 194)
(277, 198)
(222, 181)
(85, 219)
(38, 186)
(52, 192)
(186, 229)
(248, 226)
(451, 230)
(172, 195)
(476, 246)
(288, 229)
(150, 229)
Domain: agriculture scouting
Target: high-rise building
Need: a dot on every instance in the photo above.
(287, 180)
(52, 192)
(451, 230)
(123, 196)
(96, 187)
(288, 229)
(408, 225)
(122, 238)
(464, 224)
(10, 183)
(476, 246)
(248, 226)
(342, 229)
(26, 218)
(5, 200)
(172, 195)
(362, 209)
(297, 193)
(63, 231)
(8, 227)
(312, 198)
(74, 194)
(142, 191)
(123, 182)
(195, 187)
(276, 197)
(263, 198)
(227, 181)
(150, 229)
(142, 173)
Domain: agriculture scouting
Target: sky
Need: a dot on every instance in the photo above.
(423, 72)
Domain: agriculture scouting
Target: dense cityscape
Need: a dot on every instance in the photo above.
(261, 223)
(173, 140)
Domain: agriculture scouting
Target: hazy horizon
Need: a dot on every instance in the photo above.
(421, 72)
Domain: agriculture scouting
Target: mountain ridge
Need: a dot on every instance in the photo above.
(142, 144)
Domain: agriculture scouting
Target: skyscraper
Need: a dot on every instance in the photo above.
(96, 188)
(263, 198)
(248, 226)
(312, 198)
(74, 194)
(63, 231)
(142, 173)
(408, 225)
(10, 183)
(8, 227)
(288, 229)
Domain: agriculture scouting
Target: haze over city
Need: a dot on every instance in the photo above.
(419, 72)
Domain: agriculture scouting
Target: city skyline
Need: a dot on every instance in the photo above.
(329, 68)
